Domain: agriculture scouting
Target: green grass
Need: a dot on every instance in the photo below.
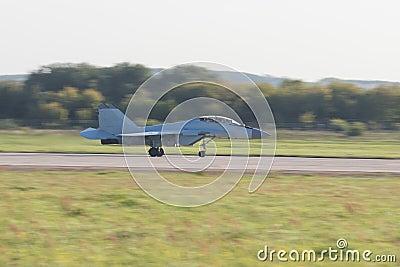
(54, 218)
(289, 143)
(329, 144)
(51, 141)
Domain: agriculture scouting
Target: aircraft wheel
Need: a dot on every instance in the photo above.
(153, 152)
(160, 152)
(202, 154)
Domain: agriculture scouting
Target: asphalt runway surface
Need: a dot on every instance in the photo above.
(141, 162)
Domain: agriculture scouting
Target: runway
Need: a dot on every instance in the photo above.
(141, 162)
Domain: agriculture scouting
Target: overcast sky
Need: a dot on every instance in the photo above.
(308, 39)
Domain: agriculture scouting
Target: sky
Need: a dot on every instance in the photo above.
(302, 39)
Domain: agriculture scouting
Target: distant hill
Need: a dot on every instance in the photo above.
(14, 77)
(277, 81)
(360, 83)
(234, 77)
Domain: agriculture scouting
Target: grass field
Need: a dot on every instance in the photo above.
(289, 143)
(51, 218)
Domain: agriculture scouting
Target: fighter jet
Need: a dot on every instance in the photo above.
(182, 133)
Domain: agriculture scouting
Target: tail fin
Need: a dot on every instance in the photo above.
(111, 120)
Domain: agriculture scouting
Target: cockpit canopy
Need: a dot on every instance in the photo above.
(220, 119)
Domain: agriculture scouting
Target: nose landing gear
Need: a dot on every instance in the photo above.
(203, 148)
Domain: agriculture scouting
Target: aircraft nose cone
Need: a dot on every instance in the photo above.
(258, 134)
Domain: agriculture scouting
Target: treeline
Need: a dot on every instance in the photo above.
(64, 94)
(296, 101)
(67, 94)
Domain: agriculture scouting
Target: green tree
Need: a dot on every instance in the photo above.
(84, 114)
(92, 98)
(122, 79)
(356, 129)
(345, 100)
(15, 102)
(339, 125)
(307, 118)
(381, 104)
(267, 89)
(53, 111)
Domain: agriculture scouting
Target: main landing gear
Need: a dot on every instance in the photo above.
(156, 152)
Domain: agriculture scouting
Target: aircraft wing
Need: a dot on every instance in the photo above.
(141, 134)
(153, 133)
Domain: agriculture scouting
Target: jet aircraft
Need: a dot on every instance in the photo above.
(182, 133)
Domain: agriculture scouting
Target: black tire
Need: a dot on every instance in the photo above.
(153, 152)
(160, 152)
(202, 154)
